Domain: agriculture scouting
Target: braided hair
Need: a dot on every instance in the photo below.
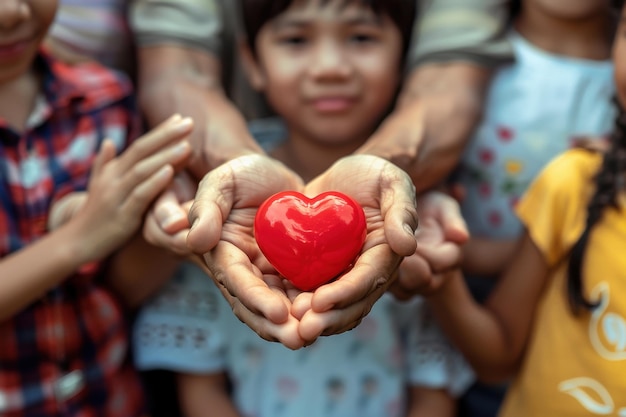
(609, 182)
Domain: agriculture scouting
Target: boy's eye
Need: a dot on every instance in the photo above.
(293, 40)
(362, 38)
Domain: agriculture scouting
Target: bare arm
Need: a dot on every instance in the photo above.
(439, 106)
(205, 396)
(120, 190)
(488, 257)
(493, 337)
(177, 79)
(430, 402)
(139, 269)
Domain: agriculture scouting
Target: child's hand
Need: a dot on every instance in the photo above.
(440, 236)
(64, 209)
(122, 188)
(167, 222)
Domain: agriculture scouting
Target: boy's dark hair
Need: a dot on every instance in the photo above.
(257, 13)
(609, 182)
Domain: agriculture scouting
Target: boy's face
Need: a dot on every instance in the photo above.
(23, 25)
(331, 71)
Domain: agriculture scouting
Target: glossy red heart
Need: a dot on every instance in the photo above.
(310, 241)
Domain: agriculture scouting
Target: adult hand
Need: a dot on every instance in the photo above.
(387, 196)
(222, 218)
(174, 79)
(440, 237)
(438, 108)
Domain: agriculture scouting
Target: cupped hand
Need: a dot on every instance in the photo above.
(222, 218)
(387, 196)
(440, 237)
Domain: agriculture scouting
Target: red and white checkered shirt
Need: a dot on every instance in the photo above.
(78, 327)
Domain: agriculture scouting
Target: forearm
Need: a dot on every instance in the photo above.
(29, 273)
(138, 270)
(475, 330)
(205, 396)
(461, 86)
(438, 108)
(488, 257)
(175, 79)
(431, 402)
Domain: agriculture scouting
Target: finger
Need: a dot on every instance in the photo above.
(175, 242)
(447, 212)
(172, 130)
(232, 269)
(285, 333)
(145, 168)
(105, 154)
(168, 213)
(398, 206)
(441, 258)
(300, 304)
(453, 224)
(146, 192)
(414, 277)
(372, 271)
(213, 202)
(315, 324)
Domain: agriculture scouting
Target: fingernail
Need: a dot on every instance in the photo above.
(183, 124)
(181, 148)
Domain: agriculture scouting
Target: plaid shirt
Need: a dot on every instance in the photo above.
(77, 325)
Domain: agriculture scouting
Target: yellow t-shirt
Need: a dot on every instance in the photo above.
(574, 366)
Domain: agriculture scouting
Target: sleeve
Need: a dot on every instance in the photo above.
(179, 329)
(433, 361)
(554, 208)
(191, 23)
(469, 30)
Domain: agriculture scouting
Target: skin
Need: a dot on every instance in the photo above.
(417, 138)
(120, 189)
(494, 337)
(341, 67)
(578, 29)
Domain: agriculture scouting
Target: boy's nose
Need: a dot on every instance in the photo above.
(12, 13)
(330, 61)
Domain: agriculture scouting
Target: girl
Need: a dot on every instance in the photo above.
(556, 321)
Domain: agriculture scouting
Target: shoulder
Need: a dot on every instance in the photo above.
(554, 208)
(572, 170)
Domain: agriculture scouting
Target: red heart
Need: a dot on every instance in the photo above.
(310, 241)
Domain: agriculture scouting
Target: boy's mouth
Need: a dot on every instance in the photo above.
(332, 104)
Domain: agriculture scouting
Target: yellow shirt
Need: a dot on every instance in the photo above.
(574, 366)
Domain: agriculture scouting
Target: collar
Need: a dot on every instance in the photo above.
(87, 86)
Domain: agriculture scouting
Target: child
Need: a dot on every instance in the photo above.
(62, 327)
(330, 69)
(555, 321)
(557, 91)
